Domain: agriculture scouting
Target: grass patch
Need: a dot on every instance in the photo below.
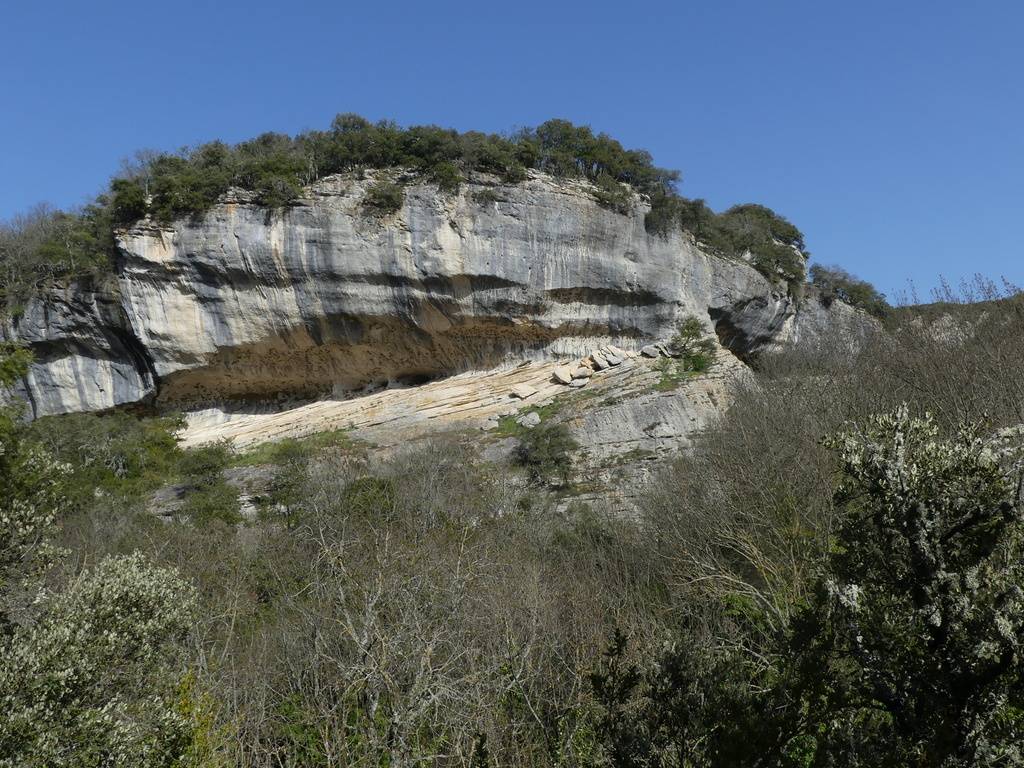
(673, 374)
(282, 451)
(507, 426)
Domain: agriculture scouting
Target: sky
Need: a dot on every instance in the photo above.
(890, 133)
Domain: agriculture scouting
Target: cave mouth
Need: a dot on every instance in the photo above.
(418, 379)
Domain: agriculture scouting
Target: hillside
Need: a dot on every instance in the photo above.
(436, 462)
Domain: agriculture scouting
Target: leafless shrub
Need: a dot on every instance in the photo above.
(748, 512)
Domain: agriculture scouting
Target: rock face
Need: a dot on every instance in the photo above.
(86, 355)
(772, 322)
(245, 303)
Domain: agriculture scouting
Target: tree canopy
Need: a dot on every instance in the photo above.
(46, 246)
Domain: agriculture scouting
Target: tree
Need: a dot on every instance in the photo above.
(912, 649)
(908, 653)
(837, 283)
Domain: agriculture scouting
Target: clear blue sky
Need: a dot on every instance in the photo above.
(890, 132)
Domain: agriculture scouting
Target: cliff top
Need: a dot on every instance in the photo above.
(47, 246)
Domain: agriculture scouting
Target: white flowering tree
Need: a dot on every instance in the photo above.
(913, 653)
(909, 652)
(89, 674)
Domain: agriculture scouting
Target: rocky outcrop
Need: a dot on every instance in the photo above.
(245, 303)
(775, 321)
(86, 356)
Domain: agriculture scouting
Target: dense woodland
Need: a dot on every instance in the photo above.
(46, 246)
(832, 577)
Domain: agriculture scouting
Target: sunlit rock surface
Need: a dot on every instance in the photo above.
(253, 305)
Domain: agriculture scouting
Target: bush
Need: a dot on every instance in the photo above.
(369, 496)
(210, 498)
(214, 501)
(93, 680)
(775, 246)
(487, 197)
(546, 452)
(693, 352)
(90, 669)
(447, 177)
(48, 246)
(612, 194)
(837, 283)
(384, 198)
(45, 248)
(115, 453)
(904, 653)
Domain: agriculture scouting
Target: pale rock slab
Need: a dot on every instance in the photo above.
(523, 391)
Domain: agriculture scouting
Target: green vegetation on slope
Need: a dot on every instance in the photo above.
(775, 246)
(693, 353)
(810, 585)
(48, 246)
(837, 283)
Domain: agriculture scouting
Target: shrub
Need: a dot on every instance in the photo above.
(904, 653)
(696, 350)
(775, 246)
(31, 502)
(93, 680)
(546, 451)
(115, 453)
(200, 464)
(40, 249)
(447, 177)
(487, 197)
(45, 247)
(90, 670)
(14, 362)
(916, 625)
(383, 198)
(693, 352)
(127, 201)
(837, 283)
(663, 217)
(369, 496)
(213, 501)
(210, 497)
(612, 194)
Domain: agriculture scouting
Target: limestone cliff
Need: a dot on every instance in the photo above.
(249, 303)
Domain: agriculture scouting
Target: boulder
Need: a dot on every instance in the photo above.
(582, 373)
(650, 350)
(599, 361)
(563, 374)
(577, 383)
(613, 360)
(529, 420)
